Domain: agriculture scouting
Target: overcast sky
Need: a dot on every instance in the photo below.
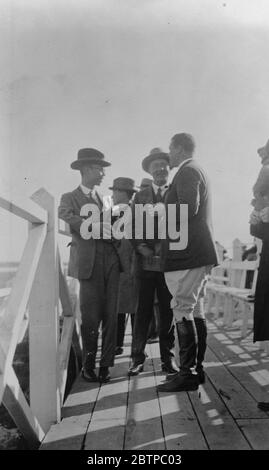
(124, 76)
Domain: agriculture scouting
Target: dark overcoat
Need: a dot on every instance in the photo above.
(190, 186)
(261, 303)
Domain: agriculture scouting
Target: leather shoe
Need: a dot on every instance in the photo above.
(89, 375)
(180, 383)
(169, 367)
(201, 376)
(263, 405)
(136, 368)
(104, 375)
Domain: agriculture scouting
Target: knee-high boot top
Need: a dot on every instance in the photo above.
(185, 380)
(201, 328)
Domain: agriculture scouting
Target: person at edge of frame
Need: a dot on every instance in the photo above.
(259, 228)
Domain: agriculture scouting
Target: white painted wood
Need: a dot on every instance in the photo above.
(73, 287)
(63, 228)
(23, 328)
(246, 310)
(6, 269)
(264, 345)
(237, 250)
(16, 404)
(26, 209)
(4, 292)
(44, 325)
(227, 294)
(64, 293)
(241, 295)
(64, 352)
(19, 296)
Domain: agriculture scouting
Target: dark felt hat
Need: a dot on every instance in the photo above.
(87, 157)
(154, 154)
(145, 183)
(123, 184)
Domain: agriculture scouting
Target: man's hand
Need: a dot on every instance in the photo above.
(254, 218)
(264, 214)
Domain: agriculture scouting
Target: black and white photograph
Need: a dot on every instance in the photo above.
(134, 229)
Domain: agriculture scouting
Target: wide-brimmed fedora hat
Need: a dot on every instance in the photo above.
(145, 183)
(123, 184)
(87, 157)
(154, 154)
(264, 148)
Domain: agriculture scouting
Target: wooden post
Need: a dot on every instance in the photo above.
(237, 250)
(44, 324)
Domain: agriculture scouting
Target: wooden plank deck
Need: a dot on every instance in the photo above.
(128, 413)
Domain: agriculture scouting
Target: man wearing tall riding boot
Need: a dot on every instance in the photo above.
(186, 270)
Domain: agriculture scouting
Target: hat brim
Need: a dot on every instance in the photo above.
(151, 158)
(77, 164)
(123, 189)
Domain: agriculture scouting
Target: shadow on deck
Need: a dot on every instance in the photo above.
(128, 413)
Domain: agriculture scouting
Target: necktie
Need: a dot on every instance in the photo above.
(159, 195)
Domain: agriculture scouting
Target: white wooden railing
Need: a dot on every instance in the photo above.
(33, 301)
(38, 286)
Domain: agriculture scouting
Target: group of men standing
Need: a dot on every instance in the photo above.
(127, 276)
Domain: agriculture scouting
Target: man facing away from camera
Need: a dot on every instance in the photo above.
(186, 269)
(95, 263)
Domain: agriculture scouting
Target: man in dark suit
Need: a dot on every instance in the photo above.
(95, 263)
(151, 279)
(186, 269)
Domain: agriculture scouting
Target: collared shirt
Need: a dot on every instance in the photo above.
(88, 191)
(183, 163)
(163, 188)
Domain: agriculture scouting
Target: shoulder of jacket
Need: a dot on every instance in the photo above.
(191, 168)
(69, 195)
(75, 191)
(144, 193)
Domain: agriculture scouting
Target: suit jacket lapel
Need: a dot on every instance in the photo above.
(99, 201)
(83, 199)
(153, 196)
(80, 197)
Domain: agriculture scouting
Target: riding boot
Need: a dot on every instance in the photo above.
(201, 329)
(185, 380)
